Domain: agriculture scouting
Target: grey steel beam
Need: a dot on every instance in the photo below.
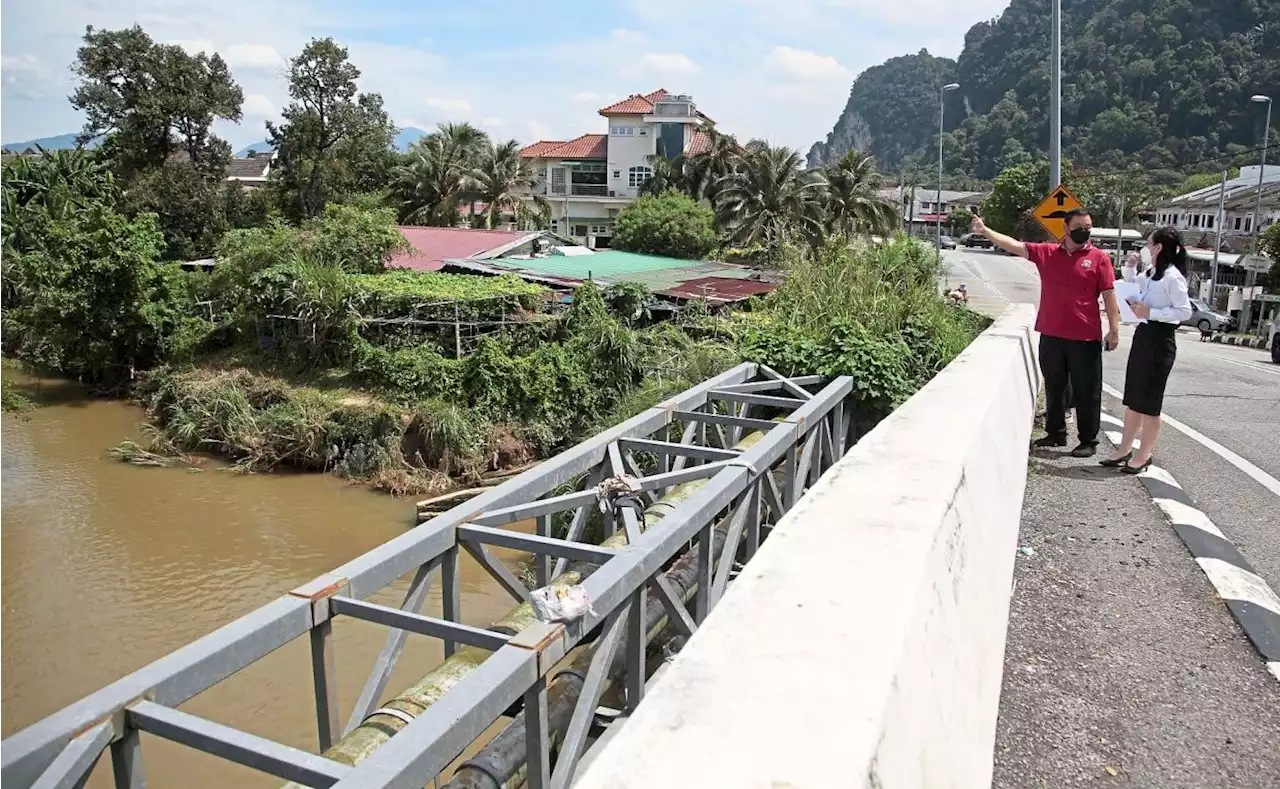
(238, 746)
(76, 761)
(499, 571)
(532, 543)
(537, 736)
(423, 748)
(386, 660)
(534, 509)
(773, 385)
(793, 385)
(126, 761)
(720, 579)
(377, 568)
(755, 399)
(630, 522)
(450, 594)
(170, 680)
(724, 419)
(325, 679)
(575, 737)
(610, 586)
(542, 562)
(677, 614)
(417, 623)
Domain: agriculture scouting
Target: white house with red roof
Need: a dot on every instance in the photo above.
(588, 180)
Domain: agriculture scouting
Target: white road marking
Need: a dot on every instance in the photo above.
(1180, 514)
(1255, 366)
(1258, 475)
(1235, 583)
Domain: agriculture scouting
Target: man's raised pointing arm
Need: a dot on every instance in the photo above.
(1011, 245)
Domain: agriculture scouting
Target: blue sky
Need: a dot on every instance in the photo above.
(777, 69)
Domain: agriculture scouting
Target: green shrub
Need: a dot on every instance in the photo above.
(671, 224)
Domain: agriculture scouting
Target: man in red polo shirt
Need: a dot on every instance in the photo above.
(1073, 275)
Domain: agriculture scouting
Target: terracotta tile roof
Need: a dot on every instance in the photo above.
(249, 166)
(588, 146)
(635, 104)
(540, 147)
(699, 141)
(431, 246)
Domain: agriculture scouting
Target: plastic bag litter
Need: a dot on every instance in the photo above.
(617, 491)
(560, 603)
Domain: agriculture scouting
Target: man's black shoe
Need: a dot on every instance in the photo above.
(1084, 451)
(1050, 441)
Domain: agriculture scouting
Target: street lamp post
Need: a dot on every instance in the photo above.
(1055, 95)
(1246, 313)
(942, 106)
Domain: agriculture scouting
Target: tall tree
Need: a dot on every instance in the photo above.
(333, 139)
(717, 159)
(153, 100)
(853, 206)
(770, 198)
(501, 180)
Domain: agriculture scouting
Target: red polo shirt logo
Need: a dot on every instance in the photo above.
(1070, 284)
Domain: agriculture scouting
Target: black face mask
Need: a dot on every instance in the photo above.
(1080, 235)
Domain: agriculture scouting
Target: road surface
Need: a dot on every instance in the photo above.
(1122, 664)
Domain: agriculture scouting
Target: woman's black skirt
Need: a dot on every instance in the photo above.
(1150, 360)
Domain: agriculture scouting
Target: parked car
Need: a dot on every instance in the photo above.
(1273, 340)
(946, 242)
(1208, 320)
(975, 240)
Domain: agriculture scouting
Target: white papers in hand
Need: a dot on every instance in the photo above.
(1125, 291)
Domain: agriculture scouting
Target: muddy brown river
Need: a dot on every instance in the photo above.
(107, 567)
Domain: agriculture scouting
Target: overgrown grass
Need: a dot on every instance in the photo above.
(13, 400)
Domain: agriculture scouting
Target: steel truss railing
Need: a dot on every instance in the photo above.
(691, 436)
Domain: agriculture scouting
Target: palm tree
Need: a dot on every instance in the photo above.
(853, 206)
(501, 180)
(668, 175)
(433, 182)
(707, 167)
(770, 197)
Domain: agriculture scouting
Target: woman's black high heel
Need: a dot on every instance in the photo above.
(1137, 469)
(1116, 462)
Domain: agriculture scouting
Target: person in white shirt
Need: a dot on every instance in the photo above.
(1162, 304)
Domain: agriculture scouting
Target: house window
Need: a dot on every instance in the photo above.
(623, 131)
(644, 132)
(617, 173)
(601, 230)
(1237, 223)
(580, 231)
(637, 176)
(1248, 224)
(1209, 220)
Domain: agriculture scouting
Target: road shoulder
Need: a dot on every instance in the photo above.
(1120, 658)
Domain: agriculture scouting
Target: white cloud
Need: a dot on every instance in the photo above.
(667, 64)
(806, 66)
(801, 54)
(252, 56)
(195, 46)
(258, 106)
(450, 106)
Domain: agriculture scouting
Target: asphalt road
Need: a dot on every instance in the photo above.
(1228, 393)
(1122, 665)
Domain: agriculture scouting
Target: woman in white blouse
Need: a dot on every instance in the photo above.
(1161, 306)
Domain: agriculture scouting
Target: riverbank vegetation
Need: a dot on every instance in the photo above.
(297, 348)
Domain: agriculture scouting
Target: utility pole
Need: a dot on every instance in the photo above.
(1246, 310)
(942, 109)
(1217, 244)
(1055, 97)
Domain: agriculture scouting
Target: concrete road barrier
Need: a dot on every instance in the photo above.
(864, 645)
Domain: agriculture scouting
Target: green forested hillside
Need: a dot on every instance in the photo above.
(1162, 85)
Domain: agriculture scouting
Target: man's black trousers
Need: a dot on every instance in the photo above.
(1072, 372)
